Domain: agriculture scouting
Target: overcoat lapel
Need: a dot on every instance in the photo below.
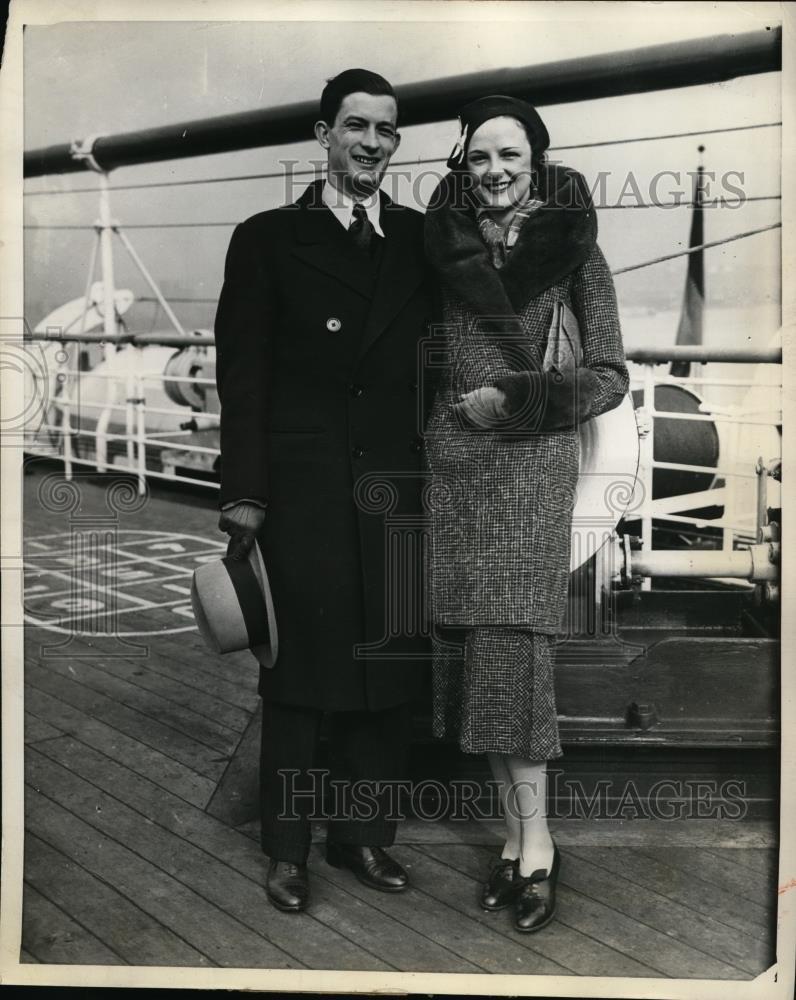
(551, 244)
(400, 272)
(322, 243)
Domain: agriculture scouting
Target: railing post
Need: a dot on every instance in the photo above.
(130, 396)
(106, 250)
(646, 456)
(140, 412)
(66, 431)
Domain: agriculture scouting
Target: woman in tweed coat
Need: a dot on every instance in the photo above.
(509, 238)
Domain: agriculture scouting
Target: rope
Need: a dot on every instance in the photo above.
(670, 135)
(702, 246)
(400, 163)
(715, 203)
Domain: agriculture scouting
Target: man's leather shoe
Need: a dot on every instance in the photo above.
(373, 866)
(502, 885)
(536, 899)
(287, 886)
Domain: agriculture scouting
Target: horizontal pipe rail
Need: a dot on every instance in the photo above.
(634, 71)
(698, 352)
(758, 562)
(419, 161)
(655, 355)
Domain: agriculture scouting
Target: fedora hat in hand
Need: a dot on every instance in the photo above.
(233, 608)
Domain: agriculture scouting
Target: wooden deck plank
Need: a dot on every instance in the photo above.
(679, 923)
(764, 861)
(608, 925)
(162, 660)
(206, 927)
(188, 652)
(479, 948)
(212, 693)
(158, 767)
(404, 948)
(191, 846)
(720, 871)
(334, 913)
(646, 869)
(237, 795)
(199, 728)
(188, 648)
(37, 729)
(584, 833)
(577, 952)
(127, 720)
(129, 932)
(140, 673)
(53, 937)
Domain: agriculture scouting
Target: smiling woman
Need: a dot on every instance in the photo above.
(513, 243)
(501, 161)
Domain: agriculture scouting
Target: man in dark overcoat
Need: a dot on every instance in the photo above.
(323, 306)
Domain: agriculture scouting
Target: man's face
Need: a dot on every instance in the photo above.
(360, 142)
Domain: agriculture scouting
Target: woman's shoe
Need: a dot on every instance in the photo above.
(536, 899)
(502, 885)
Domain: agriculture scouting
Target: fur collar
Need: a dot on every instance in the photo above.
(552, 243)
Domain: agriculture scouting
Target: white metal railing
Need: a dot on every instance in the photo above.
(737, 524)
(132, 403)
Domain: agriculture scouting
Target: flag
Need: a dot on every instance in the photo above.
(689, 330)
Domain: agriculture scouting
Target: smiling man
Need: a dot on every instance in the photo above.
(323, 304)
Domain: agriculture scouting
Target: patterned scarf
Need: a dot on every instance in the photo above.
(498, 238)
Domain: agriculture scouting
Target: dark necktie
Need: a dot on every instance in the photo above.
(361, 229)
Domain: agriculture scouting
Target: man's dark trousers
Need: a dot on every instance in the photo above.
(364, 747)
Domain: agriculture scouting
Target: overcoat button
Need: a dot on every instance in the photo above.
(416, 446)
(356, 390)
(333, 324)
(358, 452)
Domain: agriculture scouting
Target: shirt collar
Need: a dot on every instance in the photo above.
(342, 206)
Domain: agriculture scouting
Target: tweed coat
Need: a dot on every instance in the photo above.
(501, 503)
(317, 375)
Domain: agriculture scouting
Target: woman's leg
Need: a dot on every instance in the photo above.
(528, 801)
(502, 775)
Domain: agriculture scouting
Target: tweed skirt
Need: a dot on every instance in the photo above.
(493, 689)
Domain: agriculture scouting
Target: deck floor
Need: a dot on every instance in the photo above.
(125, 865)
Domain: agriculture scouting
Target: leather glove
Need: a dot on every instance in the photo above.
(484, 407)
(241, 522)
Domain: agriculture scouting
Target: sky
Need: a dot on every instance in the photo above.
(86, 78)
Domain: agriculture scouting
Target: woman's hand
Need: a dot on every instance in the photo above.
(485, 407)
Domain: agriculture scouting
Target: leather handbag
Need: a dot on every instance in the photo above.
(564, 351)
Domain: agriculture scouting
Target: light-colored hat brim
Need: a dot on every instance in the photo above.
(218, 613)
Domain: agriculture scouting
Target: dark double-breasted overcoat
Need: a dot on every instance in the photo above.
(317, 371)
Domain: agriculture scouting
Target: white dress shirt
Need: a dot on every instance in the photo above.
(342, 206)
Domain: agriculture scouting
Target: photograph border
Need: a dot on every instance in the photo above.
(777, 982)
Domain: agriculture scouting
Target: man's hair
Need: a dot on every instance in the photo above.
(351, 81)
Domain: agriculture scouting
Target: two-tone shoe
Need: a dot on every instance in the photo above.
(287, 886)
(502, 885)
(373, 866)
(535, 902)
